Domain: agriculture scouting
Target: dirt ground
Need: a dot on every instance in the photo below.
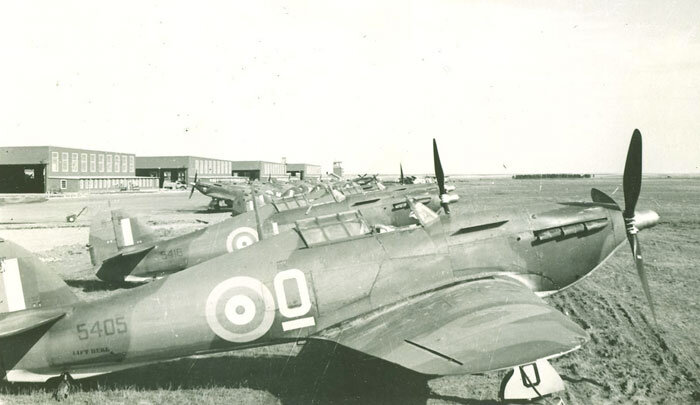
(630, 358)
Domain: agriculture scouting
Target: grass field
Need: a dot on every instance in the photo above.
(629, 359)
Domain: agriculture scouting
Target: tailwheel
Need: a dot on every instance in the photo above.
(532, 381)
(64, 387)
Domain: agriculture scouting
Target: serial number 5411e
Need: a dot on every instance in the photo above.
(106, 327)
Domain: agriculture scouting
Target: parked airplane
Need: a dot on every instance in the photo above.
(123, 248)
(455, 294)
(237, 196)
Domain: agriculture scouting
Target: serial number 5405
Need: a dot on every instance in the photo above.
(106, 327)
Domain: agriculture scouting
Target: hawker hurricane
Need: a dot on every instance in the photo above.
(457, 293)
(124, 248)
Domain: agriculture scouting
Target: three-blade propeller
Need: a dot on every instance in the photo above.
(634, 221)
(632, 184)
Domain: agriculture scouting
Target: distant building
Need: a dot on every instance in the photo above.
(304, 171)
(338, 168)
(183, 168)
(52, 169)
(258, 169)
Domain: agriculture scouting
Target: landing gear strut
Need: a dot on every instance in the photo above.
(64, 387)
(213, 204)
(531, 381)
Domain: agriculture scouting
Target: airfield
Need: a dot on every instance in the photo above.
(629, 358)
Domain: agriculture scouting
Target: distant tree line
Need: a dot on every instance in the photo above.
(553, 176)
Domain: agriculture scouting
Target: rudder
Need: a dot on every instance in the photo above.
(26, 283)
(111, 232)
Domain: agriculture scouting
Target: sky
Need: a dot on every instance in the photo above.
(504, 86)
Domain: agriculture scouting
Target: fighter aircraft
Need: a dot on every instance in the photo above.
(455, 294)
(237, 196)
(123, 248)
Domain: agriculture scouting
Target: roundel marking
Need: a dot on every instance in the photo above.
(240, 309)
(240, 238)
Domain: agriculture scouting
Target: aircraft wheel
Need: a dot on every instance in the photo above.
(63, 389)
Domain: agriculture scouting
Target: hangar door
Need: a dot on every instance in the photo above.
(23, 178)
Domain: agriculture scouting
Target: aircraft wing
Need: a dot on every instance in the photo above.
(226, 194)
(474, 327)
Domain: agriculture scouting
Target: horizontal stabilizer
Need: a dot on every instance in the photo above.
(116, 268)
(14, 323)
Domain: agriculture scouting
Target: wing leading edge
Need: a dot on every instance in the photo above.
(468, 328)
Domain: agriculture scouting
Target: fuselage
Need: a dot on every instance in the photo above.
(283, 288)
(172, 255)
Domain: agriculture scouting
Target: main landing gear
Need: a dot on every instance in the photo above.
(215, 204)
(532, 381)
(64, 387)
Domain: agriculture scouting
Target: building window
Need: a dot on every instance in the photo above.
(54, 161)
(82, 184)
(131, 164)
(74, 162)
(64, 161)
(64, 184)
(117, 167)
(109, 163)
(125, 168)
(83, 162)
(93, 163)
(101, 163)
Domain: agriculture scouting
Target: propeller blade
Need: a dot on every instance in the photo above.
(440, 176)
(632, 178)
(639, 263)
(401, 180)
(193, 185)
(257, 213)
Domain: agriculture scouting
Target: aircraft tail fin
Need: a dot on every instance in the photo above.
(26, 283)
(113, 232)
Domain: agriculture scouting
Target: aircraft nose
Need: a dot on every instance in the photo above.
(645, 219)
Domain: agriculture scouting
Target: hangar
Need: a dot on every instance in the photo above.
(304, 170)
(183, 168)
(53, 169)
(259, 169)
